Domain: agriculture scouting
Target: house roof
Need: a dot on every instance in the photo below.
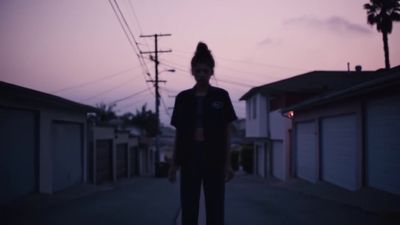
(386, 79)
(12, 90)
(312, 83)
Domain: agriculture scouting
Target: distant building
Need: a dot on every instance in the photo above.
(167, 143)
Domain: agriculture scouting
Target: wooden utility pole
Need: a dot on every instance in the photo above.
(156, 82)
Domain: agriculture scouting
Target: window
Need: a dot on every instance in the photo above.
(248, 109)
(254, 108)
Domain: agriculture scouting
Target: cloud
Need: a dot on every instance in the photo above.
(266, 41)
(335, 24)
(269, 41)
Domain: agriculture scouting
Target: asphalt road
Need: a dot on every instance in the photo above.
(250, 200)
(139, 201)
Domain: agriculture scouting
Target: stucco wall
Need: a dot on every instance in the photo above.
(257, 127)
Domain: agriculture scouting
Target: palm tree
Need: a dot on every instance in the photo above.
(383, 13)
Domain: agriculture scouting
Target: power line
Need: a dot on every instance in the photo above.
(220, 80)
(246, 62)
(137, 21)
(133, 37)
(93, 81)
(236, 70)
(141, 59)
(129, 96)
(110, 89)
(216, 79)
(121, 19)
(123, 27)
(133, 104)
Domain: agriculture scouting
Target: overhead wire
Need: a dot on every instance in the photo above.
(220, 80)
(110, 89)
(123, 27)
(93, 81)
(136, 103)
(235, 70)
(137, 21)
(122, 20)
(141, 59)
(245, 62)
(129, 96)
(180, 67)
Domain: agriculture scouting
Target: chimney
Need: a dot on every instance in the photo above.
(358, 68)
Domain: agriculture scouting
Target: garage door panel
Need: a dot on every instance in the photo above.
(278, 160)
(122, 160)
(383, 151)
(103, 161)
(260, 160)
(67, 155)
(338, 149)
(306, 161)
(18, 154)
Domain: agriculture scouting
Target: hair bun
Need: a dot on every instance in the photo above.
(203, 55)
(202, 48)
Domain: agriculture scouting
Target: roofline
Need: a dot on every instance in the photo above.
(255, 90)
(44, 97)
(365, 87)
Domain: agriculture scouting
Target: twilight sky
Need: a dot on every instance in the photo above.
(77, 49)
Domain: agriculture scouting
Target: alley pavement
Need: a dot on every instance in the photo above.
(256, 201)
(137, 201)
(250, 200)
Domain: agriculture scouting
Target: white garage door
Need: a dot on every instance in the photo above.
(67, 155)
(18, 154)
(383, 144)
(306, 151)
(339, 151)
(278, 164)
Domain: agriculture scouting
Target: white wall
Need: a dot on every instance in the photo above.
(279, 125)
(260, 153)
(256, 127)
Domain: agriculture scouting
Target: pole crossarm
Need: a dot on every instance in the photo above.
(159, 81)
(153, 52)
(155, 35)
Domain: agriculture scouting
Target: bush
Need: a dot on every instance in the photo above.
(161, 169)
(247, 158)
(235, 160)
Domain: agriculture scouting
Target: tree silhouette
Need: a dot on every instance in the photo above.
(383, 13)
(105, 112)
(146, 120)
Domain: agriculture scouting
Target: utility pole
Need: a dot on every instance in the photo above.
(156, 82)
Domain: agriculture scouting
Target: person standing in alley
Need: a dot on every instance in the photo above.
(202, 116)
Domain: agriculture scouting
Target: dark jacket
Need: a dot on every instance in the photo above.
(218, 113)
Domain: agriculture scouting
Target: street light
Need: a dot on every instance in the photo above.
(169, 70)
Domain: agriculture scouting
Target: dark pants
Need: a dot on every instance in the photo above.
(193, 175)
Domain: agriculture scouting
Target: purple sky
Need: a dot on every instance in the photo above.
(54, 45)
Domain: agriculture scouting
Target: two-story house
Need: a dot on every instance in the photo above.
(270, 130)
